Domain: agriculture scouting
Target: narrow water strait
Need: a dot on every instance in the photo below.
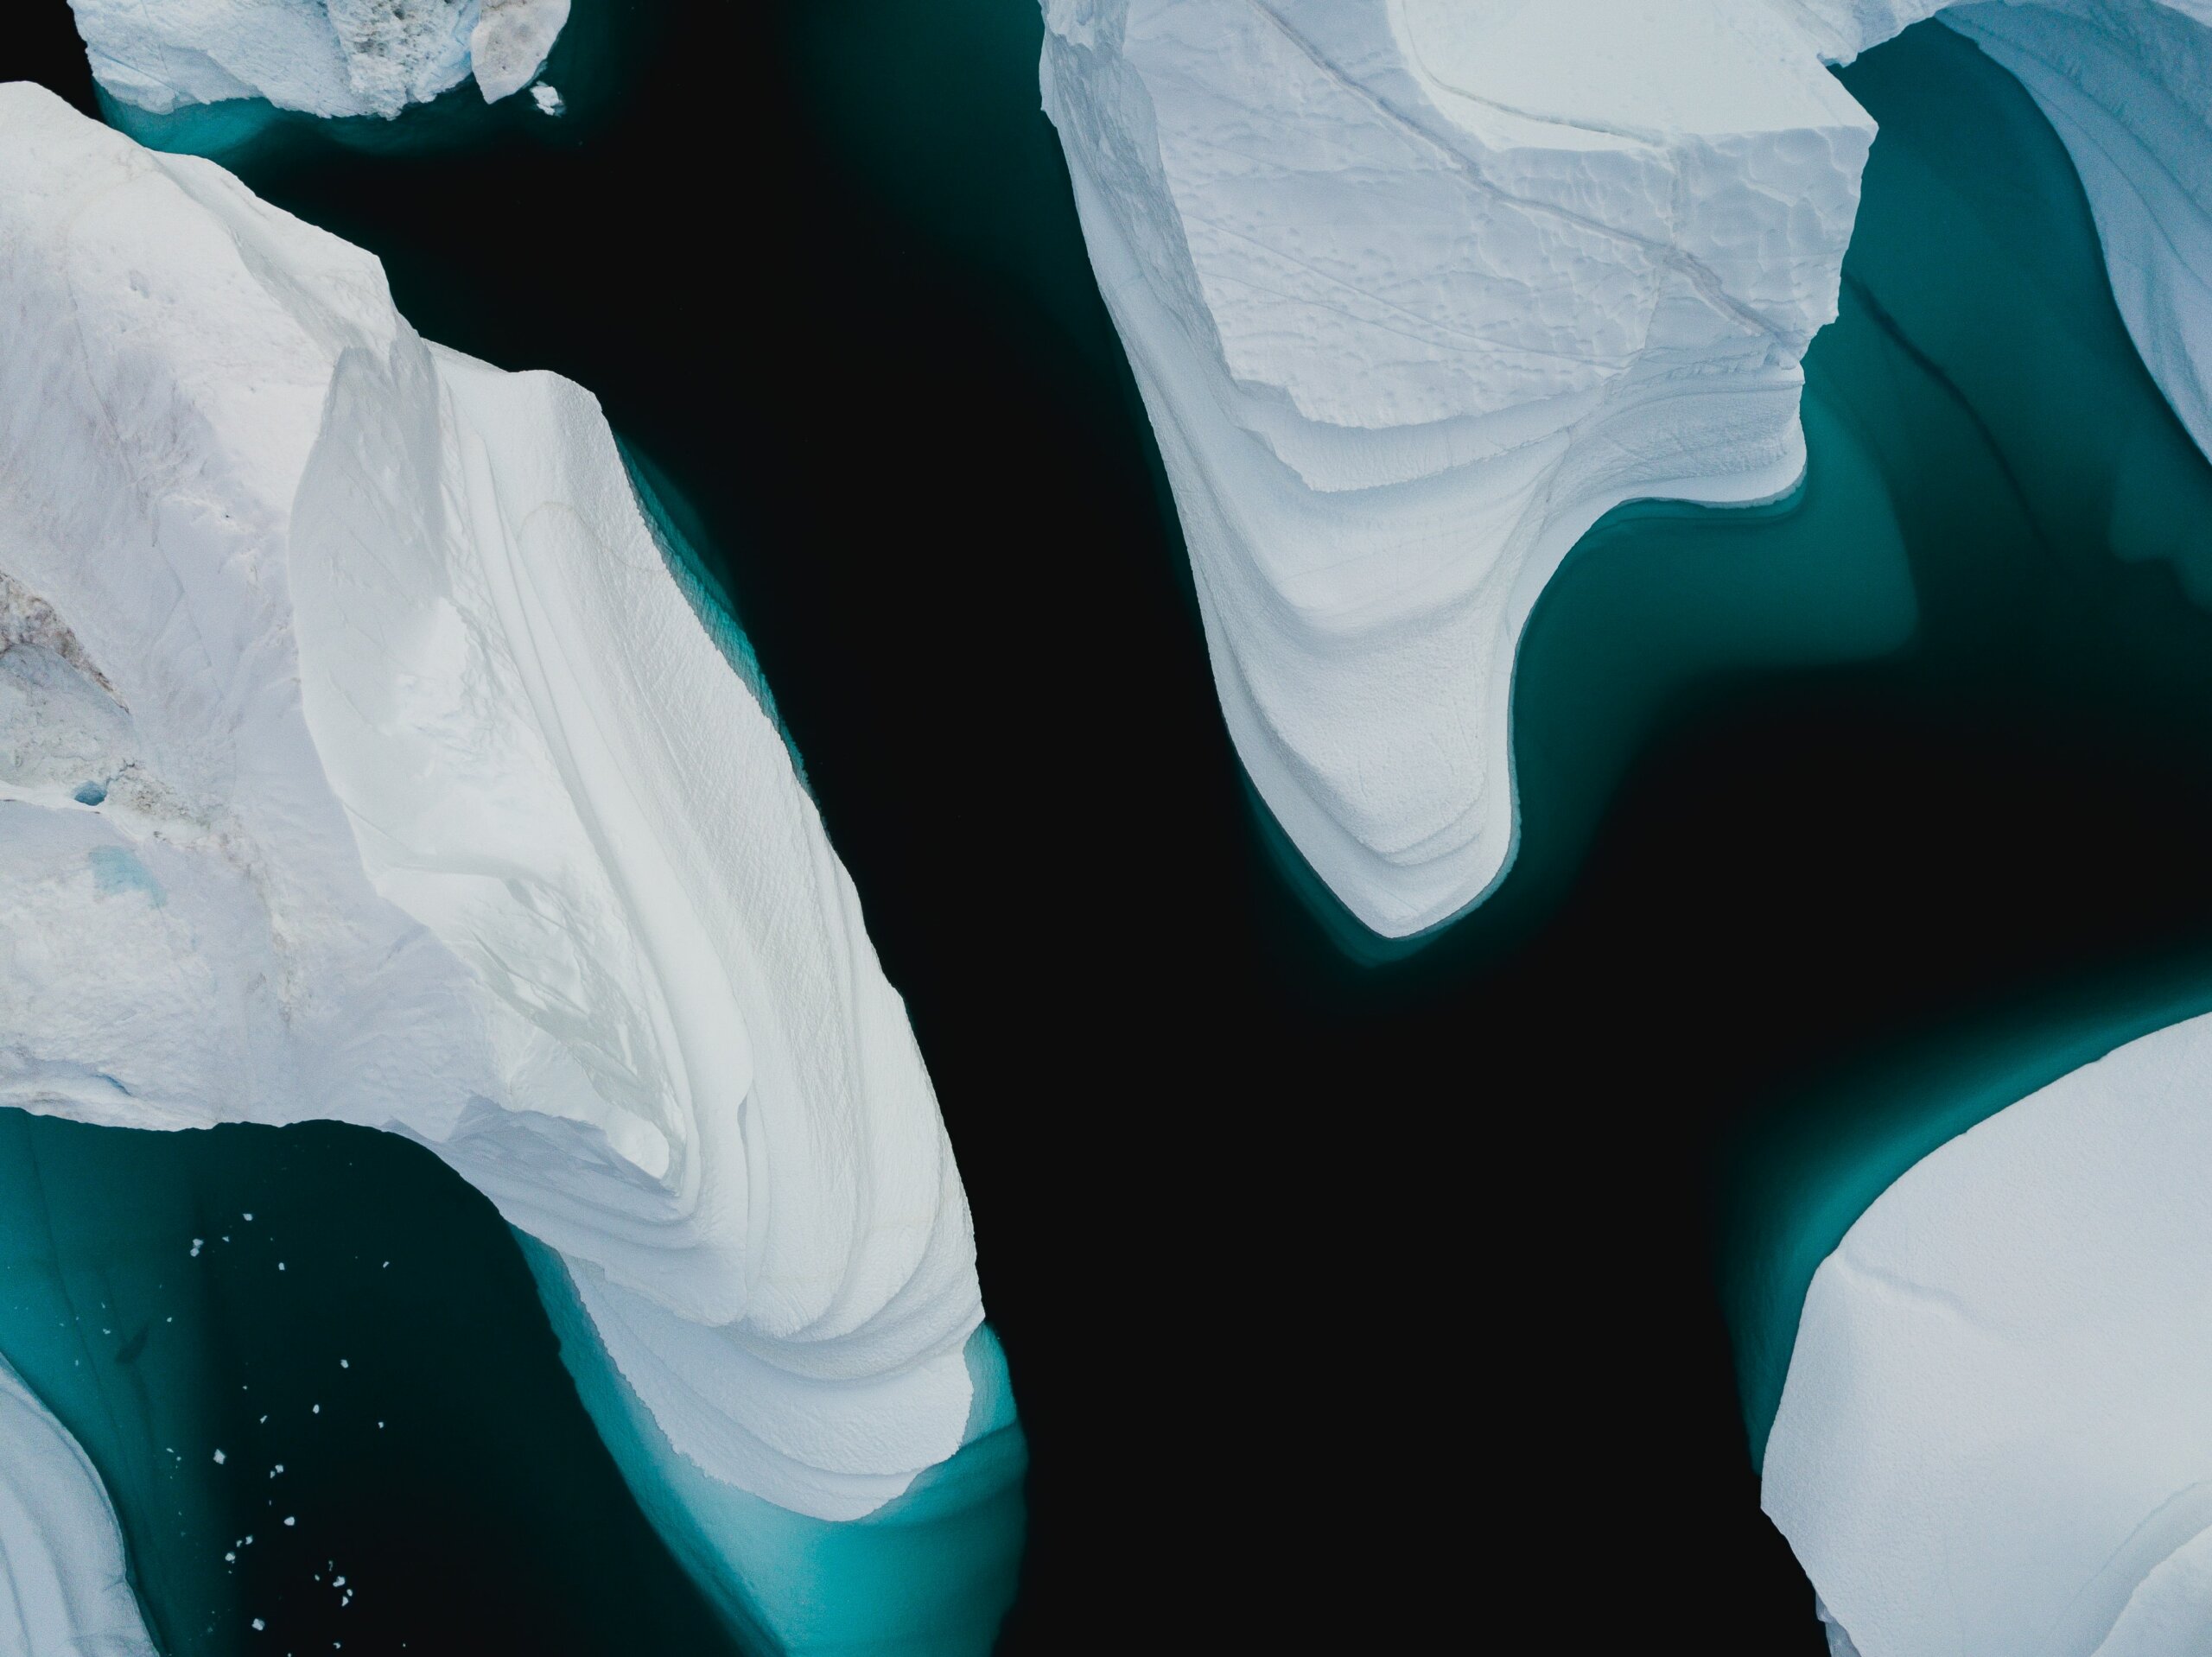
(1334, 1290)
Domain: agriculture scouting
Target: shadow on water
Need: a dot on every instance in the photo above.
(1844, 821)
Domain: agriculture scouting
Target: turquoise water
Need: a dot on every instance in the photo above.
(594, 65)
(931, 1574)
(1722, 999)
(2059, 527)
(336, 1304)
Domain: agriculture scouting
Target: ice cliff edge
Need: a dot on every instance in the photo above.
(326, 57)
(1992, 1438)
(360, 759)
(1414, 290)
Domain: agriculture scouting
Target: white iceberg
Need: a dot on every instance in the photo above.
(63, 1591)
(1992, 1440)
(361, 759)
(326, 57)
(1416, 292)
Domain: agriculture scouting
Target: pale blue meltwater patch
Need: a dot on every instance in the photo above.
(2041, 481)
(932, 1574)
(117, 872)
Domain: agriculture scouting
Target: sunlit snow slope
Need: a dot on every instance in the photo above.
(1992, 1440)
(1416, 290)
(361, 759)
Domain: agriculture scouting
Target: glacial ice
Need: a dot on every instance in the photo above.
(326, 57)
(1992, 1439)
(63, 1591)
(426, 802)
(1415, 293)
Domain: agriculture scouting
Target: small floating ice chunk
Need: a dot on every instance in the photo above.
(548, 102)
(197, 1243)
(258, 1625)
(220, 1459)
(290, 1518)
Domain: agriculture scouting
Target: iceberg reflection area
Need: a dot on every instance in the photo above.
(931, 1574)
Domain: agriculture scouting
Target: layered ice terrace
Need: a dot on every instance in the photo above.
(360, 758)
(1414, 292)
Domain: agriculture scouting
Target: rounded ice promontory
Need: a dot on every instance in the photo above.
(346, 698)
(1416, 292)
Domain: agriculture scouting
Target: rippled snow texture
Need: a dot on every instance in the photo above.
(1415, 291)
(360, 759)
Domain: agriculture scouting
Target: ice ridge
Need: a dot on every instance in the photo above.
(326, 57)
(1415, 291)
(63, 1591)
(360, 758)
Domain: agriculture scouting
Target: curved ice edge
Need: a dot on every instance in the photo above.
(1992, 1420)
(929, 1574)
(65, 1590)
(1437, 868)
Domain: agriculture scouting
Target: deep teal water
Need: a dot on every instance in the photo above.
(594, 65)
(2060, 527)
(372, 1330)
(1845, 820)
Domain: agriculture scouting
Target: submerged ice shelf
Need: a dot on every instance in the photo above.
(1414, 294)
(360, 758)
(324, 57)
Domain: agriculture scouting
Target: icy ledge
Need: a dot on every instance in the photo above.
(1992, 1440)
(1415, 291)
(360, 759)
(62, 1588)
(326, 57)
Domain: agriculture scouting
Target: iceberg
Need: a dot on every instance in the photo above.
(362, 758)
(64, 1592)
(326, 57)
(1991, 1439)
(1414, 294)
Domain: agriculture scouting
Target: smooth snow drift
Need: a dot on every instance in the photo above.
(62, 1588)
(1994, 1439)
(360, 759)
(1415, 291)
(326, 57)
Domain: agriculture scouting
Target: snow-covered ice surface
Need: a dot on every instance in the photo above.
(1994, 1439)
(1415, 291)
(361, 759)
(326, 57)
(63, 1592)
